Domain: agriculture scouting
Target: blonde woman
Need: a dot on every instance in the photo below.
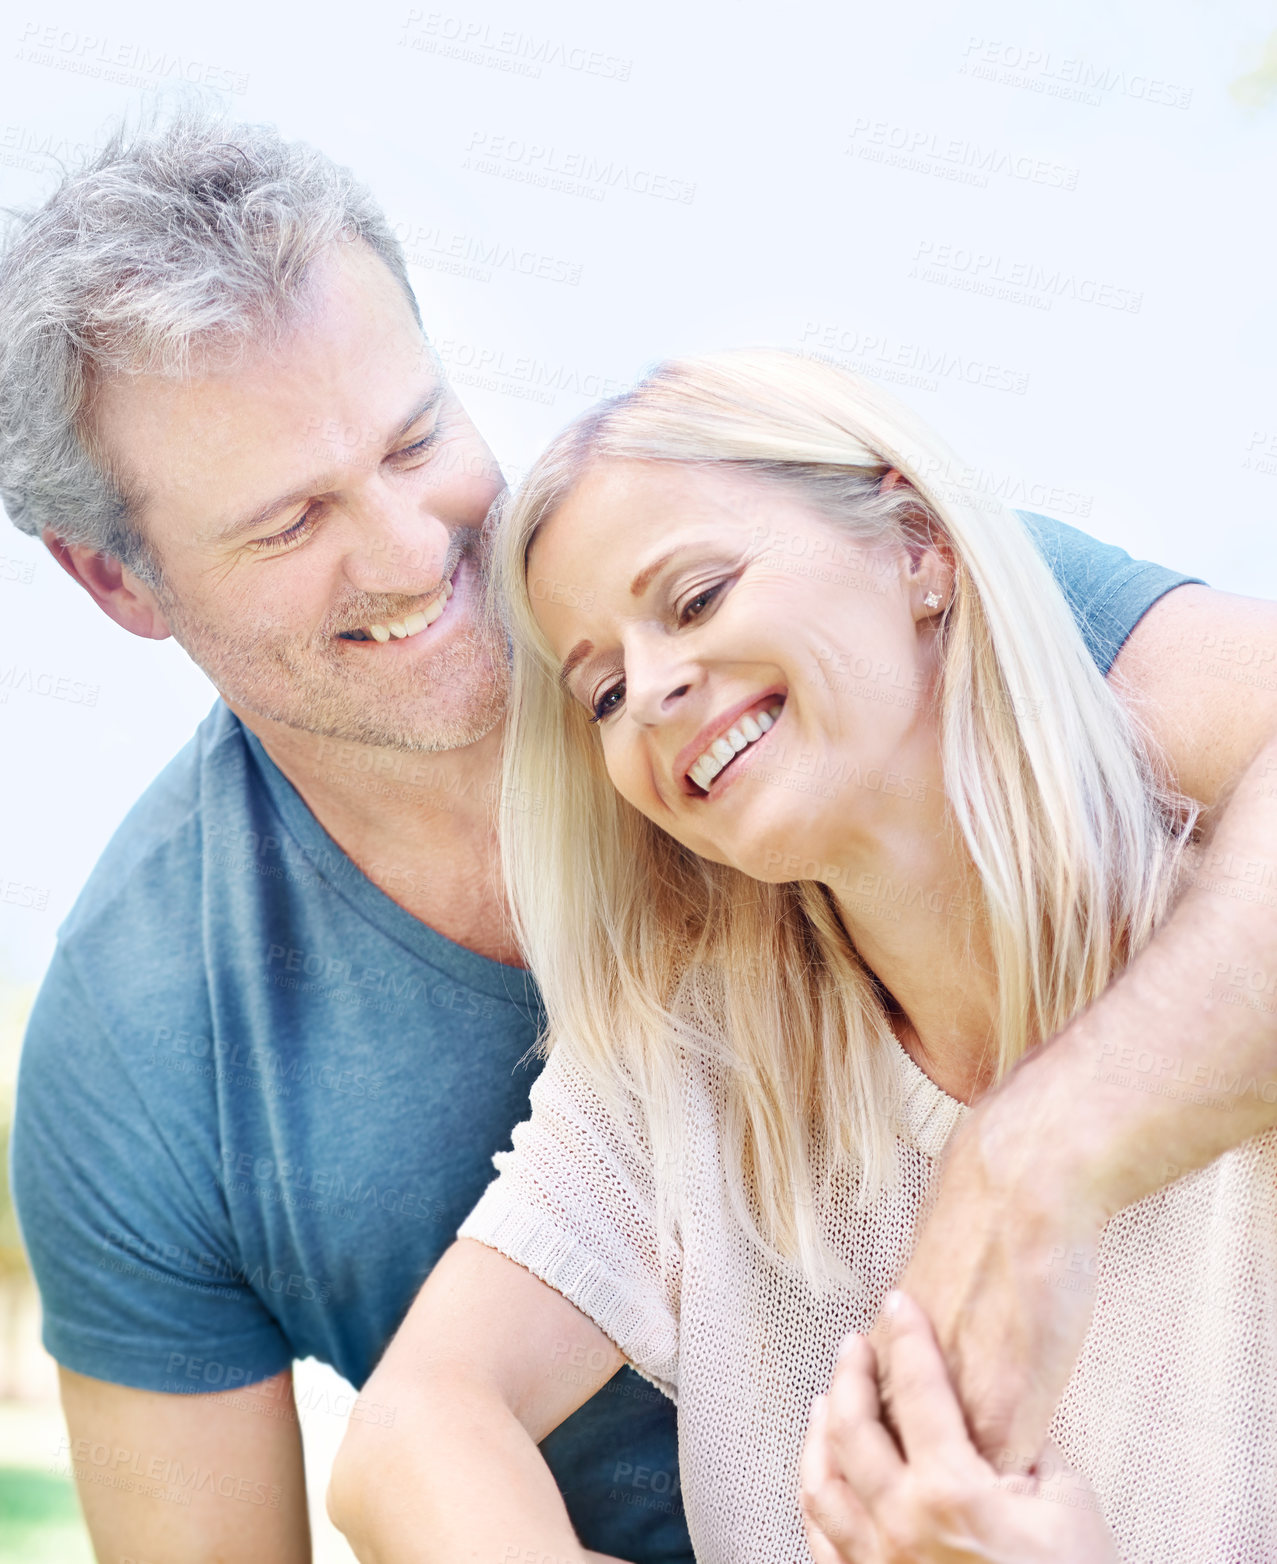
(817, 817)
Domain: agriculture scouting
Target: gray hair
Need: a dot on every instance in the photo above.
(177, 239)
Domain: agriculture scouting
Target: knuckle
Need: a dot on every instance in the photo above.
(944, 1501)
(822, 1508)
(906, 1382)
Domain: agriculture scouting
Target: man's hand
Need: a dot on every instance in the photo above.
(1003, 1268)
(1128, 1097)
(1133, 1093)
(927, 1496)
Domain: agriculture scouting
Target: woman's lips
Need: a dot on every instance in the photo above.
(752, 726)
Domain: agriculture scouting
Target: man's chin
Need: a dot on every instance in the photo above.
(462, 702)
(456, 727)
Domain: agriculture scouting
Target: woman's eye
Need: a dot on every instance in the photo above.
(692, 609)
(601, 708)
(304, 524)
(703, 598)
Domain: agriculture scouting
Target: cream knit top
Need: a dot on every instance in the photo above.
(1171, 1411)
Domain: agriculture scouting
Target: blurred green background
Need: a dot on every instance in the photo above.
(39, 1515)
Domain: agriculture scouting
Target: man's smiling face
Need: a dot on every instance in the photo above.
(311, 503)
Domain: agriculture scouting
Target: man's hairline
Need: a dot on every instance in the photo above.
(129, 494)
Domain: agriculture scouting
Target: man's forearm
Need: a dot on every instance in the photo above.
(1177, 1062)
(1173, 1065)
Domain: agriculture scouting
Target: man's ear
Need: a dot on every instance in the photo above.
(112, 586)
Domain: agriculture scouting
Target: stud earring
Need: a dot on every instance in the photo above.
(932, 600)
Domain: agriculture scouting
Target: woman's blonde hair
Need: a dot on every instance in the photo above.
(1056, 792)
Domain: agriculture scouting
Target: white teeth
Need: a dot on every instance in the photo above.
(410, 624)
(707, 766)
(447, 589)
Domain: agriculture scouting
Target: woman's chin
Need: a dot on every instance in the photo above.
(775, 851)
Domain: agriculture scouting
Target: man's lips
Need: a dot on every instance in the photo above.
(406, 626)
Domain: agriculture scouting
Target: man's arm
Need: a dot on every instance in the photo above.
(188, 1479)
(1042, 1163)
(487, 1362)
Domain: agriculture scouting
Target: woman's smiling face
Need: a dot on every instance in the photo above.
(688, 606)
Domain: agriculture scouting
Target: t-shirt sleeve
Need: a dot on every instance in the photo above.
(122, 1217)
(1108, 591)
(574, 1203)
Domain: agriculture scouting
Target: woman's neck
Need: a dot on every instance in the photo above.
(910, 901)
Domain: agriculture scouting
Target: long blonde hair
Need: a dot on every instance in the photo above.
(1055, 789)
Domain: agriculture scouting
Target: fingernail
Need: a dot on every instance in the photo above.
(891, 1303)
(848, 1343)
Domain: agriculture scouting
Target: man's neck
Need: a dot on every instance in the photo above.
(420, 825)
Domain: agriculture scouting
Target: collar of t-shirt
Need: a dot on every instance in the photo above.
(332, 864)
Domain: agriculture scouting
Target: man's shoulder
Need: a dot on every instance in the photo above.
(151, 865)
(1108, 591)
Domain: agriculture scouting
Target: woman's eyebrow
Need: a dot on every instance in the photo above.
(579, 652)
(640, 583)
(638, 586)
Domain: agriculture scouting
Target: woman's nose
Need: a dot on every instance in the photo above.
(655, 685)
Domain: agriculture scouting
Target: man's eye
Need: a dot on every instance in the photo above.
(601, 708)
(304, 524)
(419, 447)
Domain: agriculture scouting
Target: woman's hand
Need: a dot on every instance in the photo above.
(940, 1502)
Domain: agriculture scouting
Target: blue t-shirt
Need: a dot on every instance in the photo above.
(257, 1098)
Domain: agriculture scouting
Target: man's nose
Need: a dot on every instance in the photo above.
(395, 548)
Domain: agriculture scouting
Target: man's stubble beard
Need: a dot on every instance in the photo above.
(290, 687)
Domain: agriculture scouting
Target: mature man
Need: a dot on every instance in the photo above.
(285, 1026)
